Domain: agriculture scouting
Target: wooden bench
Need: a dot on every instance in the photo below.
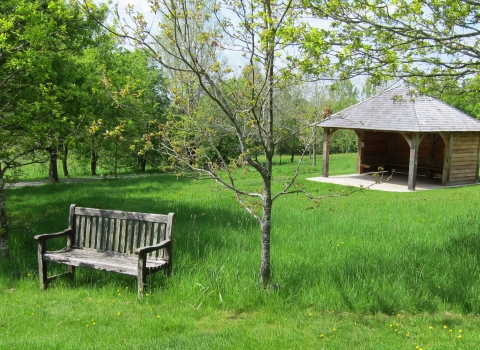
(131, 243)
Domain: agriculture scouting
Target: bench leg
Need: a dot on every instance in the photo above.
(42, 266)
(71, 270)
(141, 274)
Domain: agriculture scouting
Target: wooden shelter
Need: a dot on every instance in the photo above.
(406, 132)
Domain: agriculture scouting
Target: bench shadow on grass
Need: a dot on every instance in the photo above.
(207, 217)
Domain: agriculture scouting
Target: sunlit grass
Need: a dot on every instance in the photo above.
(374, 270)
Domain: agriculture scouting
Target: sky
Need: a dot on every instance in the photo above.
(143, 7)
(235, 58)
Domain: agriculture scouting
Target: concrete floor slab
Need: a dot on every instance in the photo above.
(398, 182)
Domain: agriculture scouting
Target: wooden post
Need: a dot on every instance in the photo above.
(360, 150)
(412, 166)
(327, 136)
(326, 152)
(314, 149)
(447, 157)
(413, 142)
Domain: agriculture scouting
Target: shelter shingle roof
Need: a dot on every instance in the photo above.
(401, 109)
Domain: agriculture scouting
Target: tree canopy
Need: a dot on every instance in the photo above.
(399, 38)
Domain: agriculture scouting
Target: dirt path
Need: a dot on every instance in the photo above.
(70, 180)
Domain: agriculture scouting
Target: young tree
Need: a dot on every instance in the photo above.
(193, 38)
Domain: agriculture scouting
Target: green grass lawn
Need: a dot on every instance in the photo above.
(374, 270)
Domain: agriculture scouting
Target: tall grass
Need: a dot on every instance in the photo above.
(369, 259)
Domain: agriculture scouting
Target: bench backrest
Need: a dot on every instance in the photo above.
(120, 231)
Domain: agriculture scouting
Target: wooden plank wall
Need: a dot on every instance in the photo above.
(376, 151)
(439, 150)
(431, 155)
(401, 154)
(464, 165)
(392, 151)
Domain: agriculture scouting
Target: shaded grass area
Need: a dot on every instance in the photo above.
(374, 270)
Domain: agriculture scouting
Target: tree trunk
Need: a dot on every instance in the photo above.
(93, 162)
(265, 226)
(116, 160)
(4, 248)
(142, 159)
(53, 172)
(64, 159)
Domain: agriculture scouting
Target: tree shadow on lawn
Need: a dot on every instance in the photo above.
(202, 224)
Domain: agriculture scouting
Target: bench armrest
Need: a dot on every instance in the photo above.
(44, 237)
(148, 249)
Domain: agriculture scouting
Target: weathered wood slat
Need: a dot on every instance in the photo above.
(463, 169)
(105, 231)
(125, 215)
(122, 236)
(148, 236)
(107, 261)
(466, 175)
(98, 245)
(135, 236)
(129, 237)
(466, 138)
(116, 243)
(163, 236)
(460, 182)
(93, 235)
(77, 231)
(154, 240)
(465, 147)
(82, 232)
(468, 180)
(88, 223)
(470, 154)
(462, 162)
(111, 233)
(143, 234)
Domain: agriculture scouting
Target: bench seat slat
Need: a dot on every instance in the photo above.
(101, 260)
